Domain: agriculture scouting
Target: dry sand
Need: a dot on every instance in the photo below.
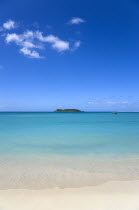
(116, 195)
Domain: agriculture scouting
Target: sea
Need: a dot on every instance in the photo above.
(40, 150)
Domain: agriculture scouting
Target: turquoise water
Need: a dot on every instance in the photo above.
(69, 133)
(40, 150)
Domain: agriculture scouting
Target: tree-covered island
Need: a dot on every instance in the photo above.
(68, 110)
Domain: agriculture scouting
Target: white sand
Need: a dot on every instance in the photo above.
(120, 195)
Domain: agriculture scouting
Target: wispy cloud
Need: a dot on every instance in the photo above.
(30, 53)
(108, 102)
(112, 105)
(25, 41)
(118, 102)
(76, 21)
(77, 44)
(30, 40)
(10, 24)
(55, 42)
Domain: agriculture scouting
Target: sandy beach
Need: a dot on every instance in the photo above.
(116, 195)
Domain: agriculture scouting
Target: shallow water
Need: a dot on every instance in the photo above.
(40, 150)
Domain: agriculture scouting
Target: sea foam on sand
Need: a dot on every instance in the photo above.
(116, 195)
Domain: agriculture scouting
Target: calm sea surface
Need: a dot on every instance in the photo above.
(67, 149)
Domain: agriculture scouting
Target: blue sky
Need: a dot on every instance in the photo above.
(69, 54)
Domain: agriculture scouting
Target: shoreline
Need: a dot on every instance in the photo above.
(114, 195)
(48, 173)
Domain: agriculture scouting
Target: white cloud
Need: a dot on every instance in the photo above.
(76, 45)
(28, 34)
(13, 38)
(25, 41)
(76, 21)
(117, 102)
(10, 24)
(60, 45)
(108, 102)
(30, 40)
(30, 53)
(55, 42)
(28, 44)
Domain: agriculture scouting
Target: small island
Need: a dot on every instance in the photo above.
(68, 110)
